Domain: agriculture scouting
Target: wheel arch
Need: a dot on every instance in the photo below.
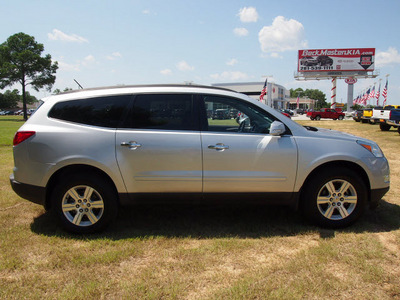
(342, 164)
(75, 169)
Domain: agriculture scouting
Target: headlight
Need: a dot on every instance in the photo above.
(371, 147)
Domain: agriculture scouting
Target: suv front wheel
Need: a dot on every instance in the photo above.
(335, 198)
(84, 203)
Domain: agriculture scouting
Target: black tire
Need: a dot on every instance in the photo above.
(340, 118)
(318, 118)
(398, 129)
(86, 199)
(384, 127)
(335, 198)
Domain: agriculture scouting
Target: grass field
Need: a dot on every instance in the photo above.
(176, 252)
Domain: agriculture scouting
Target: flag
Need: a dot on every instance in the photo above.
(264, 90)
(378, 94)
(384, 93)
(372, 94)
(365, 98)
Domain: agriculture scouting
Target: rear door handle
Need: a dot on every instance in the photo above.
(218, 147)
(132, 145)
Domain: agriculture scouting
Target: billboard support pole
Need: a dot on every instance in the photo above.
(350, 93)
(333, 93)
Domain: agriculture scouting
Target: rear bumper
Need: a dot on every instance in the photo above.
(393, 123)
(35, 194)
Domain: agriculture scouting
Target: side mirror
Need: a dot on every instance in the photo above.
(277, 128)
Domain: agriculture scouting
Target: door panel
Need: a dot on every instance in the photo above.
(159, 151)
(164, 161)
(249, 163)
(239, 155)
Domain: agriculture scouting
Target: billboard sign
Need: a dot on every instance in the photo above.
(336, 60)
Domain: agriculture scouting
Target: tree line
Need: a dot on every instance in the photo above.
(10, 99)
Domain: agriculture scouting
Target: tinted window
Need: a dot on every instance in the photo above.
(100, 111)
(233, 115)
(164, 111)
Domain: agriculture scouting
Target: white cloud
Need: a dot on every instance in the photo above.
(282, 35)
(146, 12)
(184, 66)
(166, 72)
(114, 56)
(391, 56)
(68, 67)
(232, 62)
(240, 31)
(88, 60)
(248, 14)
(231, 76)
(276, 55)
(58, 35)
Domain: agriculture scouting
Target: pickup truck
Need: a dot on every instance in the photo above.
(325, 113)
(381, 115)
(394, 119)
(357, 114)
(366, 115)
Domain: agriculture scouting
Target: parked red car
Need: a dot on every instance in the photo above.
(327, 113)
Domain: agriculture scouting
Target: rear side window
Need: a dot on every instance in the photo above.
(99, 111)
(164, 112)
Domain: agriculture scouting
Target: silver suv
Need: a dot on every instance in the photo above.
(86, 153)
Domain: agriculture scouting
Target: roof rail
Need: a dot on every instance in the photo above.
(149, 85)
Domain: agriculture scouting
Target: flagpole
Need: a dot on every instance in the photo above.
(386, 89)
(379, 92)
(268, 90)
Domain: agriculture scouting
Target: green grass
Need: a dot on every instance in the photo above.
(8, 126)
(209, 252)
(227, 122)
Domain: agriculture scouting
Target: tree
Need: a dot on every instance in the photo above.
(21, 62)
(30, 99)
(9, 99)
(58, 91)
(297, 92)
(316, 95)
(311, 94)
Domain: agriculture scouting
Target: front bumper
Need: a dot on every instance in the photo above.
(376, 196)
(35, 194)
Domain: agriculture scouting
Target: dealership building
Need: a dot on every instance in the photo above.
(278, 98)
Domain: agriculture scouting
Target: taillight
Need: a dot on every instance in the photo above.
(21, 136)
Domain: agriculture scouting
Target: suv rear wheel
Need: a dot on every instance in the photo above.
(335, 198)
(84, 203)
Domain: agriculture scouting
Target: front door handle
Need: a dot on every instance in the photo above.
(218, 147)
(132, 145)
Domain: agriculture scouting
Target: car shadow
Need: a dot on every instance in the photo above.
(214, 221)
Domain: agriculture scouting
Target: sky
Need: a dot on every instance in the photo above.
(124, 42)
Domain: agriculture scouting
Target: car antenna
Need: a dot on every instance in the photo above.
(78, 84)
